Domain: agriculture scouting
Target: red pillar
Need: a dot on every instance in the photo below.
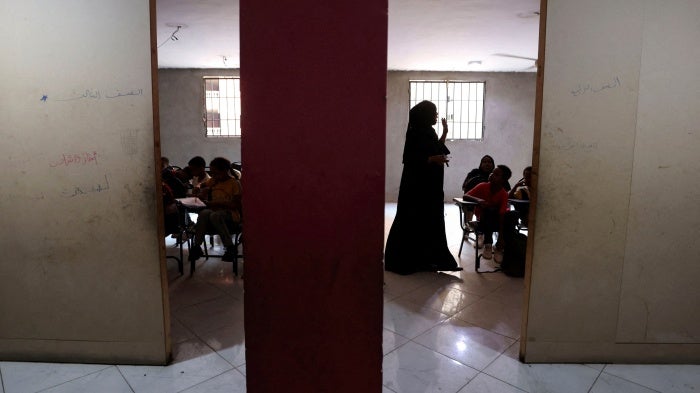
(313, 81)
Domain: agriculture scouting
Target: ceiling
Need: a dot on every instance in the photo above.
(434, 35)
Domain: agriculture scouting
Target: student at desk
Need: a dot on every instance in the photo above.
(222, 195)
(493, 204)
(521, 191)
(194, 173)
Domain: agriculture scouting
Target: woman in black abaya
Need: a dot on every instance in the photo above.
(417, 239)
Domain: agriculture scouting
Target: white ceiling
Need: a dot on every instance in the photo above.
(436, 35)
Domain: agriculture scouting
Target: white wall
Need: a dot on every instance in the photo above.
(81, 273)
(615, 251)
(509, 123)
(181, 112)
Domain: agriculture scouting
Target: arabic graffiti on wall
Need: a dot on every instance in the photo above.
(73, 159)
(582, 89)
(95, 94)
(85, 189)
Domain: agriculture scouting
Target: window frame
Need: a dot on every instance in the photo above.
(475, 125)
(232, 103)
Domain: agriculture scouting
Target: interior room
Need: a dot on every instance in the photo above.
(439, 52)
(78, 316)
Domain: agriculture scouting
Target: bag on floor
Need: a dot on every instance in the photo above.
(513, 263)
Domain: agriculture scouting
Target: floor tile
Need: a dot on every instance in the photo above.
(387, 390)
(33, 377)
(483, 383)
(220, 275)
(497, 317)
(107, 380)
(445, 299)
(664, 378)
(480, 284)
(228, 342)
(242, 370)
(607, 383)
(187, 291)
(511, 292)
(596, 366)
(397, 285)
(194, 363)
(408, 319)
(178, 332)
(218, 313)
(229, 382)
(541, 378)
(214, 268)
(466, 343)
(389, 296)
(391, 341)
(414, 368)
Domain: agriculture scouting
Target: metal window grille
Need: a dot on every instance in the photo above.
(460, 103)
(222, 106)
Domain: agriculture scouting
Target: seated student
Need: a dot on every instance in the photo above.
(195, 172)
(222, 195)
(171, 216)
(480, 174)
(236, 170)
(474, 177)
(493, 204)
(521, 190)
(176, 187)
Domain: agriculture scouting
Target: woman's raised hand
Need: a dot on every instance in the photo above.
(444, 126)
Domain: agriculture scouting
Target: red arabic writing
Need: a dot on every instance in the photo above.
(84, 158)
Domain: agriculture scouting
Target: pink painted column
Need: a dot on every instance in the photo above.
(313, 80)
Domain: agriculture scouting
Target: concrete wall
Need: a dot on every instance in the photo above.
(81, 273)
(509, 107)
(181, 112)
(509, 123)
(615, 253)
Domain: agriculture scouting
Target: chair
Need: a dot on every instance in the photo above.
(236, 232)
(522, 206)
(237, 238)
(180, 232)
(467, 228)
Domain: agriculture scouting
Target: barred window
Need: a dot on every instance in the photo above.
(461, 103)
(222, 106)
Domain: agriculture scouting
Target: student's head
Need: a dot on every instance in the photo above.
(219, 168)
(164, 162)
(500, 175)
(196, 166)
(527, 175)
(507, 173)
(486, 165)
(423, 114)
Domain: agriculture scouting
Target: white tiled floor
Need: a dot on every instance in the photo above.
(447, 333)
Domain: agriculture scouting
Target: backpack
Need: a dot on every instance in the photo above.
(514, 248)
